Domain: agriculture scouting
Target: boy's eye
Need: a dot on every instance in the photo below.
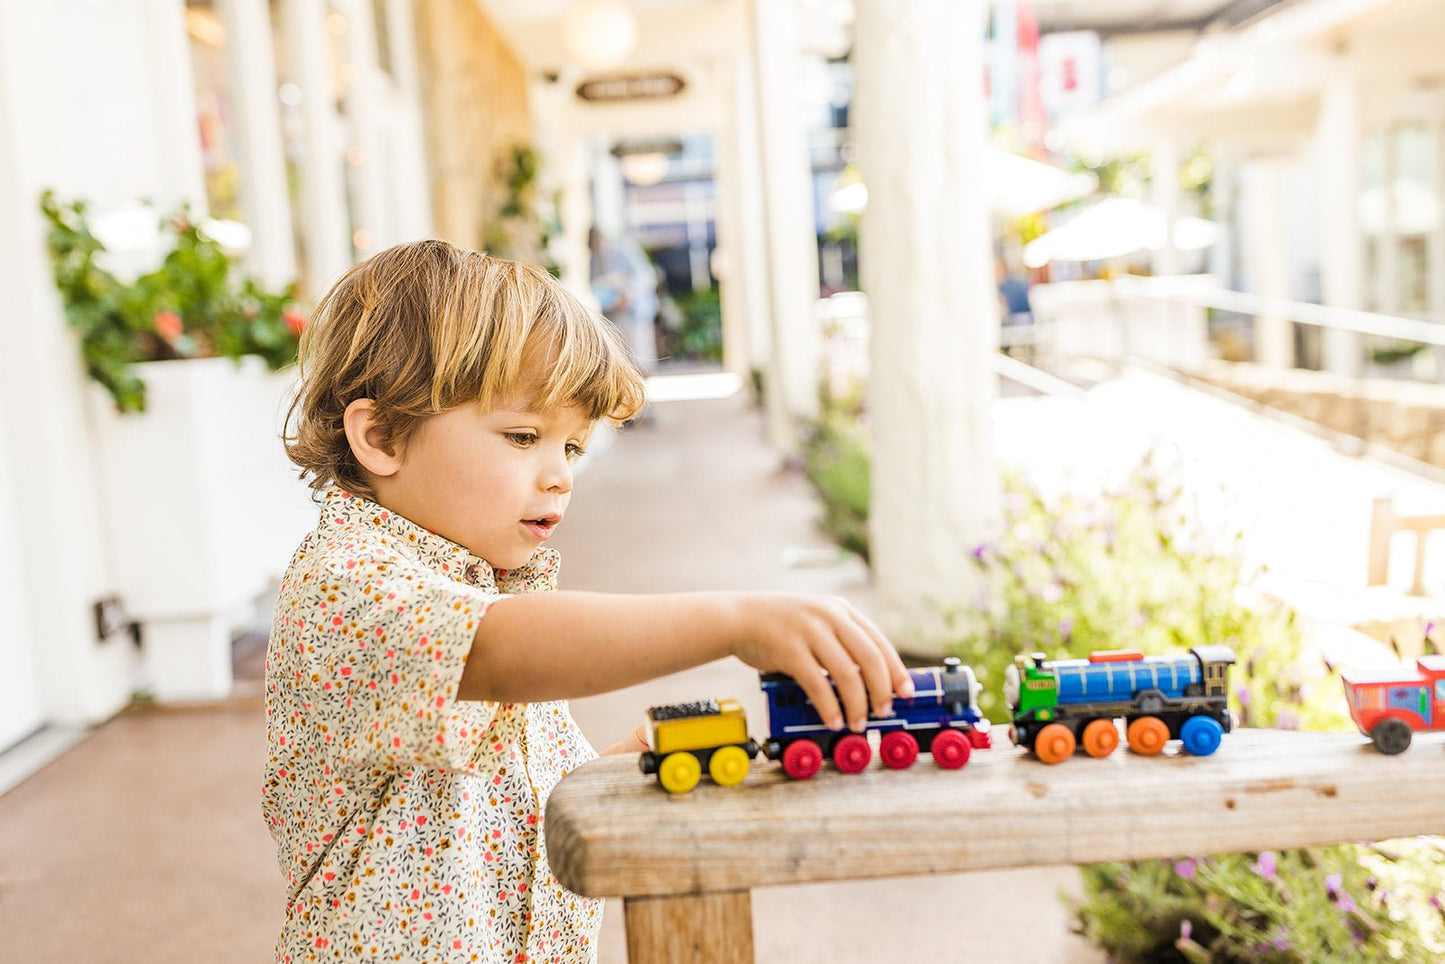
(575, 451)
(521, 439)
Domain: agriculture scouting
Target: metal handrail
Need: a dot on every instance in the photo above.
(1302, 312)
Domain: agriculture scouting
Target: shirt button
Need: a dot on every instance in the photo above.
(473, 572)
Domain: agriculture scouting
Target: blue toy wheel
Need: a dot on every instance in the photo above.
(1201, 735)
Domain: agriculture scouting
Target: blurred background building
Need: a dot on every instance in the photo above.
(1267, 178)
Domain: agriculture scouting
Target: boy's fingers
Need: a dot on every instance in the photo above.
(815, 683)
(898, 673)
(875, 672)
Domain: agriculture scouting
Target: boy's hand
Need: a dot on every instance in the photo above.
(807, 637)
(634, 742)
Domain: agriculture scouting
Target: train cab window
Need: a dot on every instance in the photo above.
(1440, 690)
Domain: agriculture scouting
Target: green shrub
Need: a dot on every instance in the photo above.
(1136, 568)
(195, 304)
(837, 459)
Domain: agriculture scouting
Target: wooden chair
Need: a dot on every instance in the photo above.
(1384, 523)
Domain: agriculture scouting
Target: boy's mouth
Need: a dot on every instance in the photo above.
(542, 526)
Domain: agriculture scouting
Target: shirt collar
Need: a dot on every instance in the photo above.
(341, 509)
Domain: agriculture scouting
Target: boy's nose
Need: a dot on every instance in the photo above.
(557, 477)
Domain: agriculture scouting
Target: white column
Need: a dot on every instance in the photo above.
(1264, 221)
(1341, 251)
(168, 46)
(609, 190)
(1387, 242)
(576, 216)
(927, 267)
(1435, 281)
(363, 109)
(1164, 189)
(412, 185)
(327, 226)
(742, 227)
(564, 169)
(251, 64)
(792, 243)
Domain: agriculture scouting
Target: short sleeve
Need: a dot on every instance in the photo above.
(390, 640)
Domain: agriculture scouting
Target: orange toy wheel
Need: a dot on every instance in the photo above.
(1100, 738)
(1055, 743)
(1147, 735)
(898, 750)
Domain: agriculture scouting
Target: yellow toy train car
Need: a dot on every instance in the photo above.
(686, 737)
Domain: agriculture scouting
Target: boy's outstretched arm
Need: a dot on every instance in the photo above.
(562, 645)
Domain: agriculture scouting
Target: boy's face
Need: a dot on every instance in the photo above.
(496, 482)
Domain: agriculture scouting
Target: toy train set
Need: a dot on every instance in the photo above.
(941, 718)
(1057, 707)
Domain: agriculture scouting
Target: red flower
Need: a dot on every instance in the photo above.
(168, 325)
(295, 319)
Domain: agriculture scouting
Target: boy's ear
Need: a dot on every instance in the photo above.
(368, 439)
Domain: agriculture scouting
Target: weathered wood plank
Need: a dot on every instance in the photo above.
(706, 929)
(613, 832)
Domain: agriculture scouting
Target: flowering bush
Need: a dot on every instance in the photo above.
(1135, 568)
(195, 304)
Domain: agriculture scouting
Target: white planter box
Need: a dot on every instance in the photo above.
(201, 512)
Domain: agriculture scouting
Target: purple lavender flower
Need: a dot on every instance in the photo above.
(1281, 941)
(1286, 721)
(1186, 928)
(1333, 883)
(1241, 693)
(979, 551)
(1066, 628)
(1345, 903)
(1185, 868)
(1266, 865)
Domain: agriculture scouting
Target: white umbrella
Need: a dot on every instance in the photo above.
(1016, 186)
(1115, 227)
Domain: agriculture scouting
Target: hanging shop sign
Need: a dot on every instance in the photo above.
(625, 87)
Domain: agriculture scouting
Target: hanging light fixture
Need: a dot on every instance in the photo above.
(599, 34)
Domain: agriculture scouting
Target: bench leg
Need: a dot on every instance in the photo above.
(708, 929)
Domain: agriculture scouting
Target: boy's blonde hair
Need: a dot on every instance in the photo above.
(425, 327)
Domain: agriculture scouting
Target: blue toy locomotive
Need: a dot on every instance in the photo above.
(941, 718)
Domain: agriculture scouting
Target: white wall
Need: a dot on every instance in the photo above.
(94, 102)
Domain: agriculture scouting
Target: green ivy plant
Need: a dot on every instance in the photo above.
(195, 304)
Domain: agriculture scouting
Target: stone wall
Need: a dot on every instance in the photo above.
(1405, 417)
(475, 95)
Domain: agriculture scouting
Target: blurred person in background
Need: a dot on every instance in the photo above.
(624, 282)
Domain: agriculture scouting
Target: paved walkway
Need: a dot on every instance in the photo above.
(144, 843)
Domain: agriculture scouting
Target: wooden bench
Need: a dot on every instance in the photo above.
(1384, 523)
(684, 865)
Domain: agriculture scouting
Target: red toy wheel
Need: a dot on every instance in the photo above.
(852, 753)
(802, 759)
(950, 749)
(898, 750)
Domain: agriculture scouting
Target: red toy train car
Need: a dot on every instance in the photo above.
(1388, 706)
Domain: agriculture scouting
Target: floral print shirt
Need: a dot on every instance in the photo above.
(408, 823)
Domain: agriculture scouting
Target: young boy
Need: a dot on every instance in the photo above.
(419, 650)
